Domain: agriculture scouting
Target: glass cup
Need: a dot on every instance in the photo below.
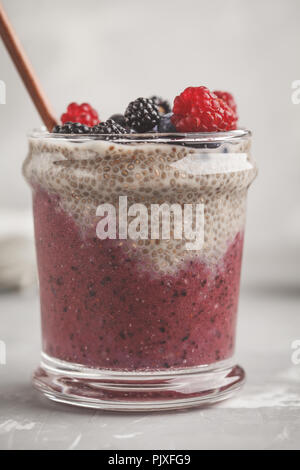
(139, 242)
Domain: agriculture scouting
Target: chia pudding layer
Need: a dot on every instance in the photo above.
(137, 304)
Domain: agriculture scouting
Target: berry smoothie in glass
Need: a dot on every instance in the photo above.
(139, 227)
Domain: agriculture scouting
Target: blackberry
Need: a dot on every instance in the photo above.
(163, 105)
(119, 119)
(142, 115)
(72, 128)
(108, 127)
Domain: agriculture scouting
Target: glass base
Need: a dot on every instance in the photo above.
(73, 384)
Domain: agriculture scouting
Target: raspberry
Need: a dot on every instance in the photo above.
(197, 109)
(82, 113)
(142, 115)
(228, 98)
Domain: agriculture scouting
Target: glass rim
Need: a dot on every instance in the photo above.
(155, 137)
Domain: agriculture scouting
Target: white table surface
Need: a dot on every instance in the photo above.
(265, 415)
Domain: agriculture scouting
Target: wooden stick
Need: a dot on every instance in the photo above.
(26, 71)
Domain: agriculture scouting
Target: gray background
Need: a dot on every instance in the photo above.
(109, 52)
